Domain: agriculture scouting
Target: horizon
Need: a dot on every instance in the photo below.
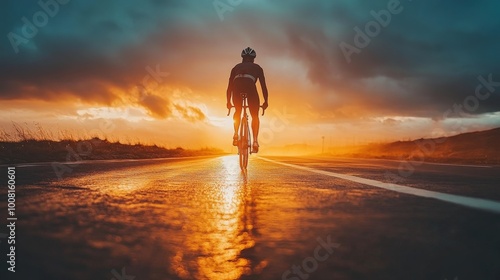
(158, 71)
(354, 148)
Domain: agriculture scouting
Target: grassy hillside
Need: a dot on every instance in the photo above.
(474, 147)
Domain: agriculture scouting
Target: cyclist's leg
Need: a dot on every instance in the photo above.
(253, 104)
(237, 101)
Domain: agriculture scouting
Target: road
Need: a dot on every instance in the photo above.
(287, 218)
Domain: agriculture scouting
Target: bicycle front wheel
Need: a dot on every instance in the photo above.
(243, 145)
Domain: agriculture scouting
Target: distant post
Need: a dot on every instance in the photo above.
(323, 146)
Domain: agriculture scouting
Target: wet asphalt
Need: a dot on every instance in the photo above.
(202, 218)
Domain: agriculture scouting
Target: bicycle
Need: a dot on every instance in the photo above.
(244, 139)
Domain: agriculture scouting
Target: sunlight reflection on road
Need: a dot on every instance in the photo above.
(225, 229)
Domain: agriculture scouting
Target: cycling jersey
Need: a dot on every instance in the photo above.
(242, 80)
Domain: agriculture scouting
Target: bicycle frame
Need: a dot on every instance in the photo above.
(244, 141)
(244, 138)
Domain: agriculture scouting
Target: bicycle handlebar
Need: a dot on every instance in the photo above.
(263, 110)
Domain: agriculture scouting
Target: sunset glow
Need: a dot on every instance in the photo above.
(157, 72)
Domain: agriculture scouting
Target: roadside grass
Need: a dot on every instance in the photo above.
(25, 144)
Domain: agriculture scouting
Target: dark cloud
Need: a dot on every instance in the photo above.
(427, 59)
(190, 113)
(156, 105)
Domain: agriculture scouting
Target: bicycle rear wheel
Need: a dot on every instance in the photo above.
(243, 145)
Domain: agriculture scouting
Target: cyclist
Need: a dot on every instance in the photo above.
(242, 80)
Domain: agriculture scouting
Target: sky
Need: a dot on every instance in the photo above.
(157, 71)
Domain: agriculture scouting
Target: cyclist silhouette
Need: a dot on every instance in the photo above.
(242, 80)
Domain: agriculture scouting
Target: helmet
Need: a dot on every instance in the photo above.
(248, 52)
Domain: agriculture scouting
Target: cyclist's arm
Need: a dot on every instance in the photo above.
(230, 86)
(263, 85)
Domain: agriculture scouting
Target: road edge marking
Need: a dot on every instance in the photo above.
(476, 203)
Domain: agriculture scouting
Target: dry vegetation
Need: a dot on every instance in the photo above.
(36, 144)
(476, 147)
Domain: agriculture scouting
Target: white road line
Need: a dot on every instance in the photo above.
(477, 203)
(459, 165)
(425, 162)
